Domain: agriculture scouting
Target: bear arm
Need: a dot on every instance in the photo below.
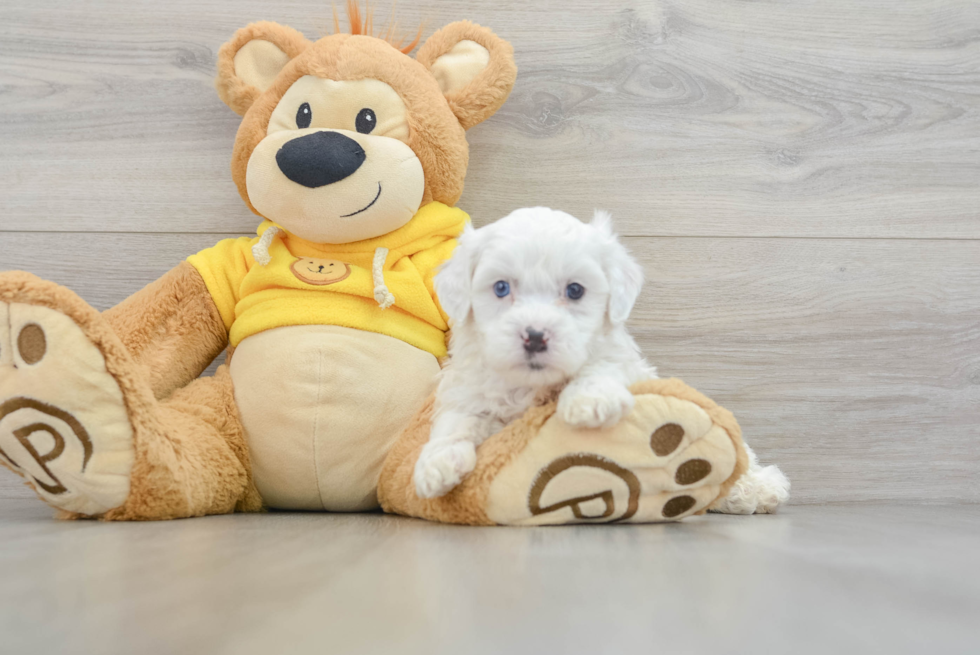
(171, 327)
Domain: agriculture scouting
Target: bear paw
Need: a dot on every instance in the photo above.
(63, 421)
(667, 459)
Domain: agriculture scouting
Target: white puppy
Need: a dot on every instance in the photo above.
(538, 303)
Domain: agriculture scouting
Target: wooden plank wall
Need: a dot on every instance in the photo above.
(800, 179)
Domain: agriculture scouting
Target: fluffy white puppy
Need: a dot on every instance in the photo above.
(538, 303)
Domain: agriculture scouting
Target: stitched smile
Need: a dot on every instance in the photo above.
(369, 204)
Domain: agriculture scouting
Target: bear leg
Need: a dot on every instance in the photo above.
(79, 421)
(675, 454)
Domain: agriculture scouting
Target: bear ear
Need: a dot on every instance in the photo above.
(474, 67)
(248, 64)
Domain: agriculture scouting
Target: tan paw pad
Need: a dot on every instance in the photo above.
(665, 461)
(63, 422)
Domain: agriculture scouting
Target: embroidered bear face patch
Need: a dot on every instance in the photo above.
(320, 271)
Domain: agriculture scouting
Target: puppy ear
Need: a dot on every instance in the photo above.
(454, 281)
(251, 61)
(624, 273)
(474, 67)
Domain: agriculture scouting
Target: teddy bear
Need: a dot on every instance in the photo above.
(353, 154)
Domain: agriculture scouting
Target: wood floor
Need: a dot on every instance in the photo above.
(854, 578)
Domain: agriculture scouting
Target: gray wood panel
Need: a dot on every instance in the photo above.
(102, 268)
(772, 118)
(887, 578)
(853, 364)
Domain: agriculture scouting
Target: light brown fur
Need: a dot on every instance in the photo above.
(488, 91)
(171, 328)
(437, 123)
(190, 453)
(235, 93)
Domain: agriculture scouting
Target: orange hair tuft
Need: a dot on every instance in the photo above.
(364, 24)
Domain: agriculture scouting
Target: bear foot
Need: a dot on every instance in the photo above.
(64, 425)
(666, 460)
(675, 454)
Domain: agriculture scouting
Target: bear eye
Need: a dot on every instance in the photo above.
(366, 120)
(501, 288)
(574, 291)
(304, 116)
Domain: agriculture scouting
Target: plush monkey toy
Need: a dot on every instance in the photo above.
(353, 154)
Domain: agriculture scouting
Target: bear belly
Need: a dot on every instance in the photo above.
(321, 406)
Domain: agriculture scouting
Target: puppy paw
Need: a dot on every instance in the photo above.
(441, 466)
(594, 403)
(761, 490)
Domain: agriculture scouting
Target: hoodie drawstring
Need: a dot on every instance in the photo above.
(260, 251)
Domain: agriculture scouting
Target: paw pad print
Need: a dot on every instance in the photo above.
(63, 423)
(578, 504)
(668, 459)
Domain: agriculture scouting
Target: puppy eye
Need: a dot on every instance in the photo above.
(501, 288)
(366, 120)
(304, 116)
(574, 291)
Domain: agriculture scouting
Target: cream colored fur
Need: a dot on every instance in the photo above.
(318, 437)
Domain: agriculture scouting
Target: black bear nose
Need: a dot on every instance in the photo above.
(320, 158)
(535, 342)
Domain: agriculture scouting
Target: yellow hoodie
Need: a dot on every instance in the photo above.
(305, 283)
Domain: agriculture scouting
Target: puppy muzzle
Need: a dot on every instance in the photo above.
(535, 341)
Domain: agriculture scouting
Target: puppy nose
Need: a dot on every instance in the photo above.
(320, 158)
(535, 342)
